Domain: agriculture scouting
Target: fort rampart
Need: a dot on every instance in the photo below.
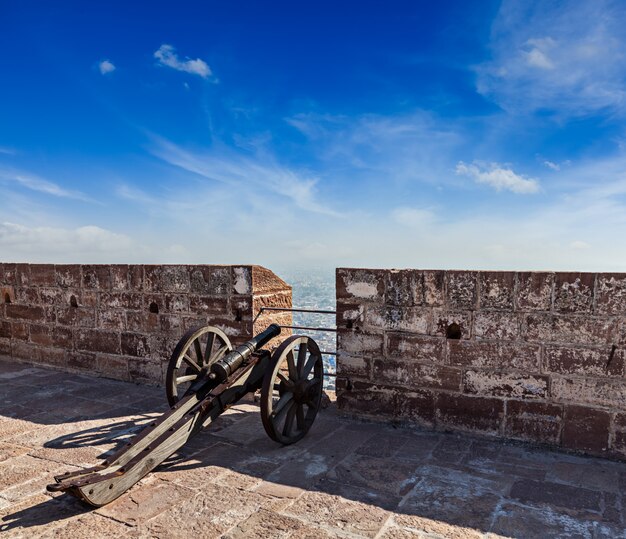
(535, 356)
(123, 321)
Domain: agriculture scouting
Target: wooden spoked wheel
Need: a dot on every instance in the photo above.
(292, 389)
(195, 352)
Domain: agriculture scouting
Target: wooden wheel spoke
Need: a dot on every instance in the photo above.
(282, 406)
(210, 341)
(198, 349)
(300, 416)
(285, 380)
(186, 378)
(293, 373)
(309, 365)
(291, 415)
(191, 363)
(301, 358)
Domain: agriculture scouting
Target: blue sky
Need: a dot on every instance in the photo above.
(484, 135)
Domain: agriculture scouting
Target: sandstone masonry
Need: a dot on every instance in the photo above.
(123, 321)
(535, 356)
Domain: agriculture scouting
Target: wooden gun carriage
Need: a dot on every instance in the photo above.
(205, 376)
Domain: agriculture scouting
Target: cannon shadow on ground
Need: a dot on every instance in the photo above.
(345, 477)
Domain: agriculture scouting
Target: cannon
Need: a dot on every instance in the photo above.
(205, 376)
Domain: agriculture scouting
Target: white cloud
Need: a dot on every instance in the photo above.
(166, 55)
(20, 242)
(551, 165)
(498, 177)
(106, 66)
(35, 183)
(566, 57)
(258, 175)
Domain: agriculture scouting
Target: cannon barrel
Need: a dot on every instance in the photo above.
(223, 368)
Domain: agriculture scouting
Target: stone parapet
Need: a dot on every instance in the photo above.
(536, 356)
(123, 321)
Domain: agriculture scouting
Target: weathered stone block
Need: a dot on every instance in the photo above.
(172, 323)
(360, 284)
(200, 280)
(586, 429)
(584, 361)
(357, 343)
(177, 303)
(417, 348)
(414, 375)
(434, 288)
(135, 345)
(96, 340)
(497, 325)
(112, 366)
(573, 292)
(27, 295)
(121, 300)
(112, 319)
(388, 317)
(611, 293)
(25, 312)
(535, 421)
(570, 329)
(496, 289)
(76, 316)
(534, 291)
(442, 320)
(469, 413)
(20, 330)
(495, 355)
(23, 350)
(81, 360)
(42, 275)
(146, 370)
(416, 406)
(96, 277)
(596, 391)
(119, 277)
(220, 280)
(350, 315)
(348, 365)
(403, 287)
(166, 278)
(56, 336)
(142, 321)
(208, 305)
(462, 290)
(135, 277)
(68, 275)
(242, 280)
(5, 329)
(505, 384)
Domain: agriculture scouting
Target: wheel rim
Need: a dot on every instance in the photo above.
(292, 389)
(194, 353)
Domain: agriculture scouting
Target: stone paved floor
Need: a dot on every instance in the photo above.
(345, 479)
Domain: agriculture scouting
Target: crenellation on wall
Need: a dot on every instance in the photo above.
(123, 321)
(533, 356)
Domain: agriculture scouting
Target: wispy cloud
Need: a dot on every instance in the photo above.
(106, 66)
(260, 173)
(7, 151)
(498, 177)
(566, 57)
(552, 166)
(35, 183)
(166, 55)
(42, 242)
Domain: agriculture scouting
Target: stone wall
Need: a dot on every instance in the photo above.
(524, 355)
(123, 321)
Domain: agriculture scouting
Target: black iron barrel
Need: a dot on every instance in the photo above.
(224, 367)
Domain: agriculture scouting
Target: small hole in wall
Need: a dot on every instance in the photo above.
(453, 331)
(154, 308)
(350, 324)
(7, 298)
(238, 316)
(73, 302)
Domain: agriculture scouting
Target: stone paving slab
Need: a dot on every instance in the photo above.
(346, 479)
